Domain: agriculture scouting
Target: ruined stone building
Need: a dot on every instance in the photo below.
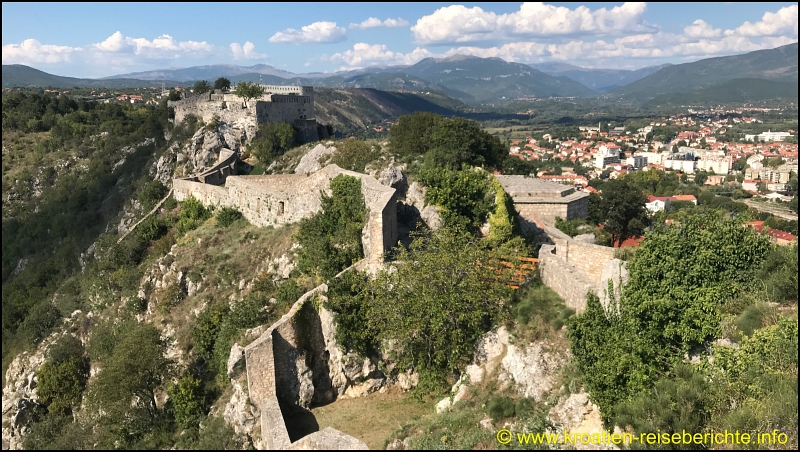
(280, 199)
(290, 104)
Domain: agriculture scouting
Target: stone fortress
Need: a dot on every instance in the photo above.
(296, 362)
(290, 104)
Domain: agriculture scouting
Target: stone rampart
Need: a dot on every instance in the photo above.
(288, 370)
(572, 268)
(280, 199)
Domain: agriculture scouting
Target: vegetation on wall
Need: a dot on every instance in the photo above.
(330, 240)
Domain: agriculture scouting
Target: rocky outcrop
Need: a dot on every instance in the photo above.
(394, 177)
(532, 368)
(200, 151)
(312, 161)
(578, 415)
(414, 209)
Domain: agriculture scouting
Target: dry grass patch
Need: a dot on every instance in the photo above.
(372, 418)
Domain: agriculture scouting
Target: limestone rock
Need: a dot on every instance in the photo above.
(394, 177)
(486, 423)
(408, 380)
(328, 439)
(430, 215)
(577, 414)
(310, 162)
(532, 369)
(490, 347)
(366, 388)
(443, 405)
(239, 413)
(585, 238)
(415, 195)
(235, 360)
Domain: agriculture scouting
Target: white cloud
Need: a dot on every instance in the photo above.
(246, 51)
(163, 46)
(31, 51)
(317, 32)
(457, 23)
(363, 55)
(783, 22)
(374, 22)
(701, 29)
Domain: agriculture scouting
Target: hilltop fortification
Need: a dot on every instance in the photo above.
(290, 104)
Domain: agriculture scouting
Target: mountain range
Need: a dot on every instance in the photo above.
(473, 79)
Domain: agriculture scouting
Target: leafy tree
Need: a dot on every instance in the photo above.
(174, 95)
(464, 196)
(502, 222)
(457, 141)
(187, 401)
(272, 140)
(434, 306)
(354, 155)
(410, 135)
(515, 165)
(151, 194)
(330, 241)
(222, 83)
(679, 278)
(248, 90)
(125, 389)
(201, 87)
(623, 211)
(62, 378)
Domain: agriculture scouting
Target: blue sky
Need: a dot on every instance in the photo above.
(99, 39)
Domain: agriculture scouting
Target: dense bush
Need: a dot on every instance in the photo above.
(272, 140)
(679, 279)
(354, 155)
(192, 215)
(330, 241)
(227, 216)
(465, 196)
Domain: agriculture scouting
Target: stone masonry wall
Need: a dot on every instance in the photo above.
(568, 282)
(288, 198)
(287, 371)
(586, 257)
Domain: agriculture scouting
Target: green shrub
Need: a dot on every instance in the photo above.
(188, 401)
(354, 155)
(465, 196)
(41, 320)
(500, 407)
(152, 228)
(151, 194)
(227, 215)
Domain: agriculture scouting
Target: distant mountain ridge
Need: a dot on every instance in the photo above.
(18, 75)
(600, 80)
(473, 79)
(779, 64)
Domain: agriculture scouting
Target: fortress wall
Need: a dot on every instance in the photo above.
(272, 200)
(287, 371)
(569, 282)
(546, 212)
(209, 195)
(588, 258)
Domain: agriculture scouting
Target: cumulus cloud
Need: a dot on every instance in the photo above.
(374, 22)
(457, 23)
(246, 51)
(701, 29)
(163, 46)
(317, 32)
(783, 22)
(31, 51)
(363, 55)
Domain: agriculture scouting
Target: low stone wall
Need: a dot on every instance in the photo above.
(274, 200)
(288, 370)
(588, 258)
(570, 283)
(573, 269)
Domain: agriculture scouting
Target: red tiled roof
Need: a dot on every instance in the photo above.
(781, 235)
